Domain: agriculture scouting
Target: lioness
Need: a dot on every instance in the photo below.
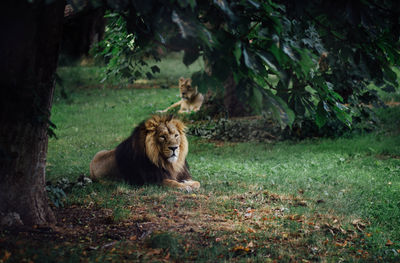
(191, 98)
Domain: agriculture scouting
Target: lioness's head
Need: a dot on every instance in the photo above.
(186, 89)
(166, 144)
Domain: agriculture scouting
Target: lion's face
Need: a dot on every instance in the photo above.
(169, 141)
(166, 141)
(187, 92)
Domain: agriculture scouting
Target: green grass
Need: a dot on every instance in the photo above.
(340, 180)
(171, 69)
(257, 202)
(94, 119)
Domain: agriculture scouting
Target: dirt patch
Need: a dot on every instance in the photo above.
(95, 225)
(202, 222)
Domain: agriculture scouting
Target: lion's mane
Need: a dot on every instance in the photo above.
(139, 160)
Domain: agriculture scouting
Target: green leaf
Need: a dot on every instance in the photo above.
(268, 59)
(341, 114)
(155, 69)
(277, 54)
(389, 88)
(110, 15)
(225, 8)
(185, 29)
(280, 109)
(321, 115)
(390, 75)
(190, 56)
(149, 75)
(289, 52)
(192, 4)
(305, 62)
(256, 99)
(254, 3)
(250, 61)
(237, 52)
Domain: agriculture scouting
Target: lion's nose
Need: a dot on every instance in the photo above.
(173, 148)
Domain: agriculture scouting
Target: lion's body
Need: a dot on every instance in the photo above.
(154, 153)
(191, 99)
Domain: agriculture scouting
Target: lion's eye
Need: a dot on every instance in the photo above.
(162, 137)
(176, 135)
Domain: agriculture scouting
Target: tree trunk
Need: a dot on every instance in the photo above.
(233, 105)
(31, 34)
(82, 29)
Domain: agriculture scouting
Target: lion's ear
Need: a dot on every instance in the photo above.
(152, 123)
(181, 80)
(189, 81)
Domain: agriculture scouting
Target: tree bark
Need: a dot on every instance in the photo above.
(31, 32)
(233, 105)
(82, 29)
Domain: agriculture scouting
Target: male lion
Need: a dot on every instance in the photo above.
(154, 153)
(191, 98)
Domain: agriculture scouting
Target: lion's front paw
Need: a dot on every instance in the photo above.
(187, 188)
(193, 184)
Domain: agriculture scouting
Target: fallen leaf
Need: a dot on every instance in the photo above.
(300, 203)
(241, 249)
(109, 244)
(294, 217)
(389, 243)
(250, 230)
(249, 213)
(156, 251)
(359, 224)
(341, 244)
(7, 255)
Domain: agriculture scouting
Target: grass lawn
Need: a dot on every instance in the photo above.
(330, 200)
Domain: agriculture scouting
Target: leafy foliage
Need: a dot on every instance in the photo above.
(123, 57)
(56, 195)
(352, 36)
(57, 192)
(238, 130)
(294, 60)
